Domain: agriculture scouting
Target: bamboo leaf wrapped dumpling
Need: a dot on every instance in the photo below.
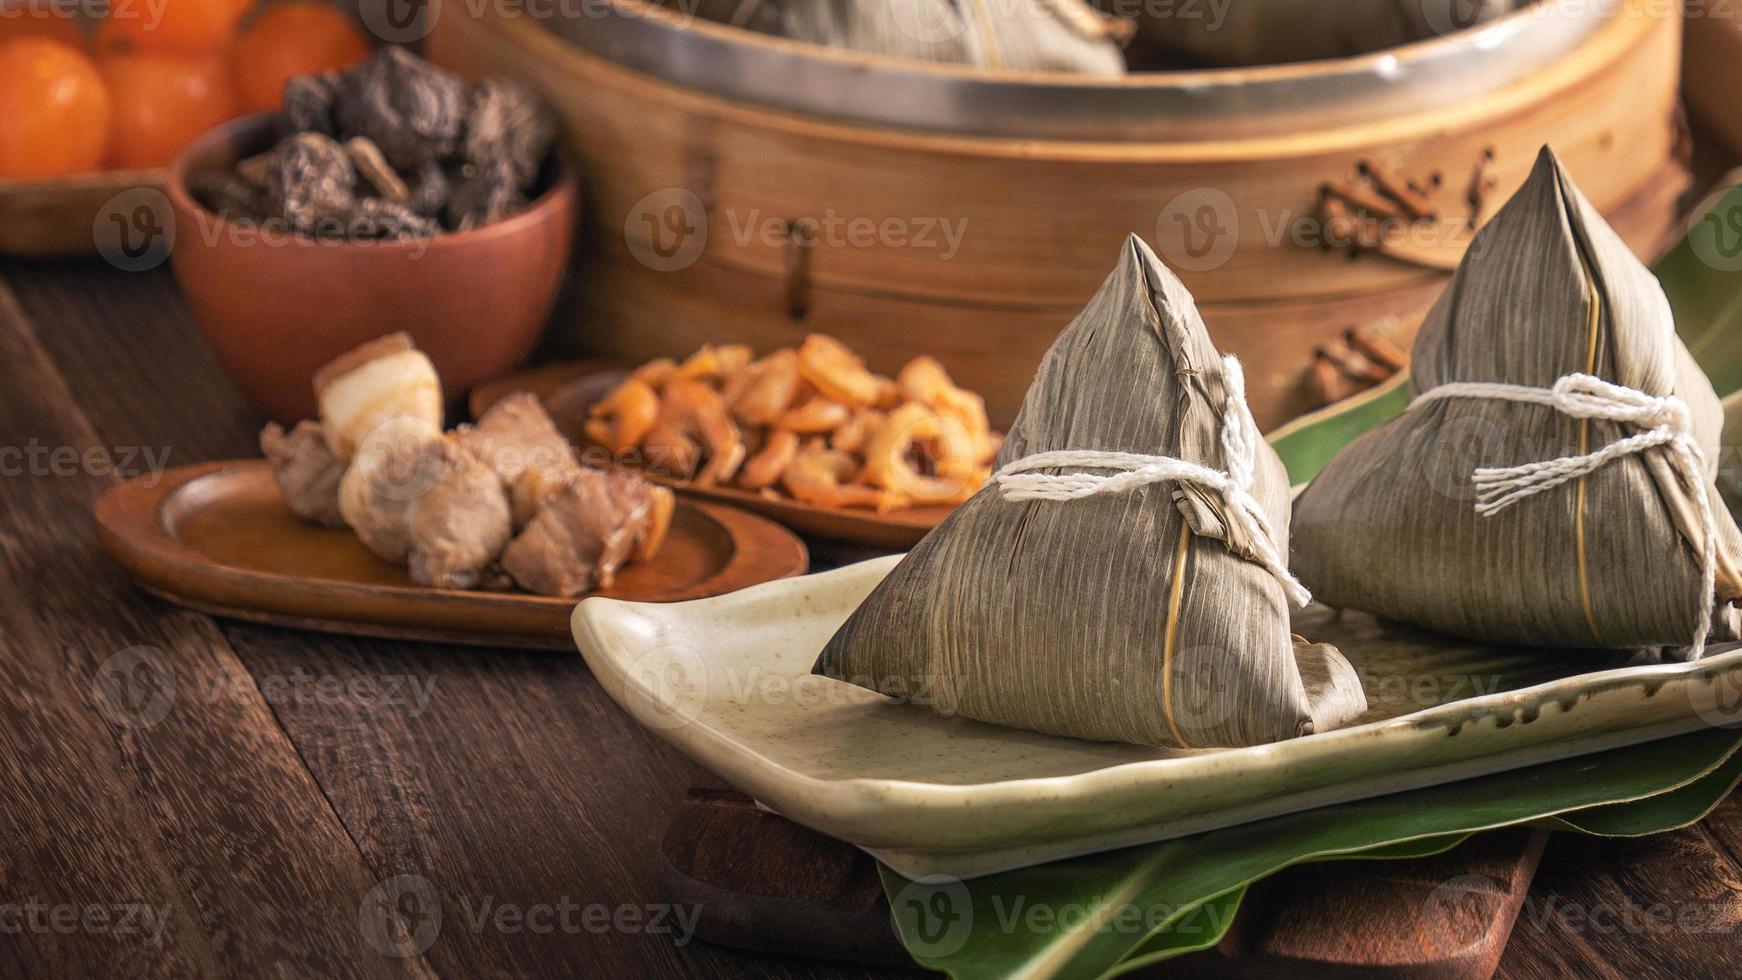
(1024, 35)
(1547, 485)
(1137, 608)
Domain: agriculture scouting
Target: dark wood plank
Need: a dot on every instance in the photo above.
(514, 786)
(765, 883)
(128, 787)
(1446, 916)
(519, 781)
(127, 348)
(1663, 906)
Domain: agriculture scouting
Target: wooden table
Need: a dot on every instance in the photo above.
(293, 778)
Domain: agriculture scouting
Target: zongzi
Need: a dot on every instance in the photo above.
(1014, 35)
(1122, 576)
(1548, 484)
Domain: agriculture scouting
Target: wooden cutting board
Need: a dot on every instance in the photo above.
(764, 883)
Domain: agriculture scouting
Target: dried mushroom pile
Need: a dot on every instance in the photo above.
(495, 505)
(392, 148)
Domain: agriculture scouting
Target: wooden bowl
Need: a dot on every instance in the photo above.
(1039, 179)
(275, 306)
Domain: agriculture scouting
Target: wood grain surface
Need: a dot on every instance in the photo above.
(765, 883)
(55, 217)
(293, 773)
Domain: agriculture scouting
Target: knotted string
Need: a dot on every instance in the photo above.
(1665, 422)
(1020, 481)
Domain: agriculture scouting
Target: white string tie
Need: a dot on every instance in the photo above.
(1665, 422)
(1020, 480)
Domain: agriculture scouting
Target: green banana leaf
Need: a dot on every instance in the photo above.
(1201, 928)
(1309, 442)
(1205, 926)
(1186, 892)
(1702, 275)
(1105, 914)
(1656, 814)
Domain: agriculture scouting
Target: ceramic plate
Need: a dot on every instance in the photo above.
(218, 537)
(728, 681)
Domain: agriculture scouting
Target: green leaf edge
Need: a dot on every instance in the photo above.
(1147, 954)
(1727, 766)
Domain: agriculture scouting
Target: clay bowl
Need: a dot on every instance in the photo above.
(275, 306)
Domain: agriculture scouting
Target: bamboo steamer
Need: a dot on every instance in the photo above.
(691, 195)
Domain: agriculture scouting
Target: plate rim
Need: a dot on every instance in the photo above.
(131, 530)
(843, 806)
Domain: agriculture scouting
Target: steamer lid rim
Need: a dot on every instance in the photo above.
(1171, 106)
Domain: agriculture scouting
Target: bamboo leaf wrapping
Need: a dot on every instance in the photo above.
(1547, 289)
(1063, 616)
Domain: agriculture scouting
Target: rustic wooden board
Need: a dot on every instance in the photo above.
(60, 216)
(521, 784)
(218, 537)
(99, 807)
(765, 883)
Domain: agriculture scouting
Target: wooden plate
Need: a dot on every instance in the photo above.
(59, 217)
(218, 537)
(895, 531)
